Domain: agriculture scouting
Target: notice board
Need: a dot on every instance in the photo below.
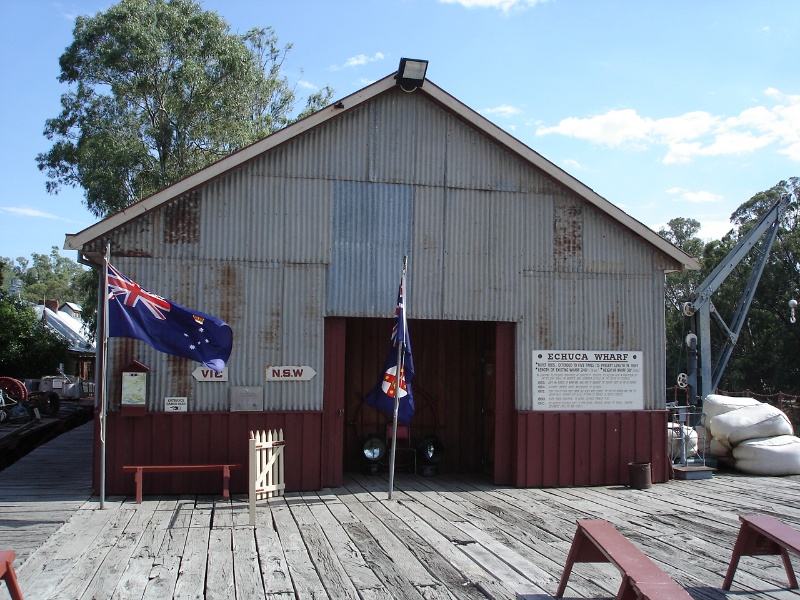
(565, 380)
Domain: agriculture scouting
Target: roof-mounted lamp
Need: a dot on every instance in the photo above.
(411, 73)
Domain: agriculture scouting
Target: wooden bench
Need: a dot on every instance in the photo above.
(140, 470)
(762, 535)
(7, 574)
(599, 541)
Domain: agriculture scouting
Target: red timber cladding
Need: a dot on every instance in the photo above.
(200, 438)
(504, 440)
(556, 449)
(333, 402)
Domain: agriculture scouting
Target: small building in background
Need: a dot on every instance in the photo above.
(535, 306)
(67, 322)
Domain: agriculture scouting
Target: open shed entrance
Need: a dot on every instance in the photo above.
(454, 389)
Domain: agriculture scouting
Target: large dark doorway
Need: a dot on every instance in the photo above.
(454, 389)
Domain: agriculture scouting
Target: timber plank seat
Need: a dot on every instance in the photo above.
(139, 471)
(598, 541)
(763, 535)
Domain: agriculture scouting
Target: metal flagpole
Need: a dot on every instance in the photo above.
(104, 383)
(398, 374)
(394, 418)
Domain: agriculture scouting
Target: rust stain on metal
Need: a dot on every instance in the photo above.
(615, 327)
(133, 253)
(180, 380)
(230, 293)
(182, 220)
(567, 234)
(272, 335)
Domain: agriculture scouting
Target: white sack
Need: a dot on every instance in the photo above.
(758, 421)
(715, 404)
(703, 439)
(778, 455)
(676, 434)
(717, 448)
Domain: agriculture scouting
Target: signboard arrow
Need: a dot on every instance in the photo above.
(290, 373)
(206, 374)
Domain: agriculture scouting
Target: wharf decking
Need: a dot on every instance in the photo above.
(439, 537)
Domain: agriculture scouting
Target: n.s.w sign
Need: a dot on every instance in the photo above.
(290, 373)
(206, 374)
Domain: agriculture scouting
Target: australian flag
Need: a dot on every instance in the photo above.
(133, 312)
(389, 387)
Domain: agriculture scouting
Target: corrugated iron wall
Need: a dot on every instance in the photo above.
(317, 228)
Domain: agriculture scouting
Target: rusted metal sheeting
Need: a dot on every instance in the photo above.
(474, 162)
(426, 268)
(249, 216)
(568, 311)
(537, 232)
(392, 139)
(588, 448)
(482, 258)
(242, 217)
(430, 139)
(339, 150)
(275, 312)
(607, 248)
(303, 328)
(372, 226)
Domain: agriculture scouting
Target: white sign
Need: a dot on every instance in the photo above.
(290, 373)
(587, 380)
(175, 404)
(206, 374)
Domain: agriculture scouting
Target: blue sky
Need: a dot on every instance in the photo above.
(666, 109)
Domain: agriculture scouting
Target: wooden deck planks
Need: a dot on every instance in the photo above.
(40, 492)
(331, 514)
(442, 537)
(305, 579)
(274, 568)
(188, 550)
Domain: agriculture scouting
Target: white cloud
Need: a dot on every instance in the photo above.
(714, 230)
(694, 134)
(307, 85)
(22, 211)
(504, 5)
(574, 164)
(502, 111)
(358, 60)
(615, 128)
(700, 196)
(70, 16)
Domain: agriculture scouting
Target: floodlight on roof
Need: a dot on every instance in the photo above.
(411, 73)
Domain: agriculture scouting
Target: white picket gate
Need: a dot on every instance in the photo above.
(266, 467)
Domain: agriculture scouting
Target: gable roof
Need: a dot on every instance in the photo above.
(77, 241)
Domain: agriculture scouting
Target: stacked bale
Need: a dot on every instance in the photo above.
(758, 435)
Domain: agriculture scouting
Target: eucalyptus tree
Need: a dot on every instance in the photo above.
(679, 287)
(764, 359)
(159, 89)
(27, 347)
